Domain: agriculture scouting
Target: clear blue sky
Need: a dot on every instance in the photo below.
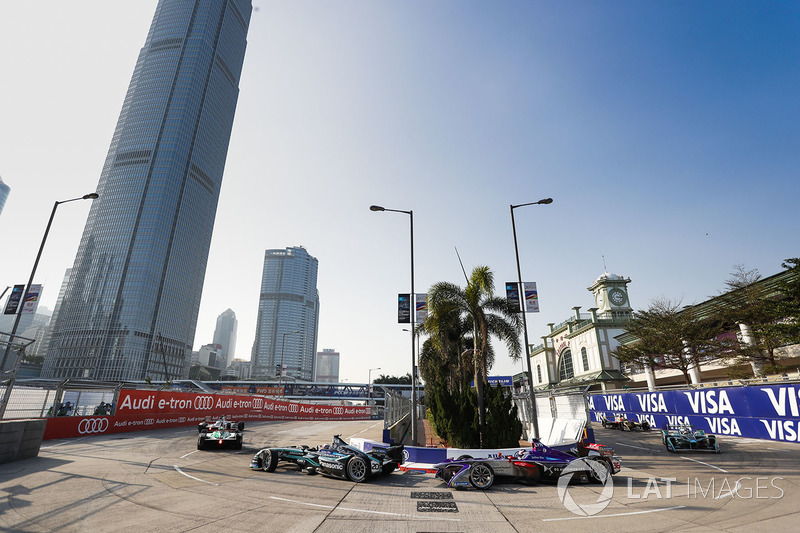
(668, 134)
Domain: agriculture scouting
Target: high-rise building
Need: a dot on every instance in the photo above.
(327, 368)
(42, 349)
(225, 336)
(4, 190)
(288, 315)
(130, 310)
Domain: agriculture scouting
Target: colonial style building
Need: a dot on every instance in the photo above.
(578, 350)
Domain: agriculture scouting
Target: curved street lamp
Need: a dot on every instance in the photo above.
(521, 292)
(413, 349)
(10, 383)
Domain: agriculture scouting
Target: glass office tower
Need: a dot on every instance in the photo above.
(130, 308)
(225, 335)
(288, 315)
(4, 190)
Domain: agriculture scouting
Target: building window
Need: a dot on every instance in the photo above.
(565, 370)
(585, 359)
(539, 372)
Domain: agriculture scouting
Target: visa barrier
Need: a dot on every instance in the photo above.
(141, 409)
(769, 412)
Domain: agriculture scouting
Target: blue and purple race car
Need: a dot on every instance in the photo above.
(586, 462)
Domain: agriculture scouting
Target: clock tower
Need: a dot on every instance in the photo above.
(611, 294)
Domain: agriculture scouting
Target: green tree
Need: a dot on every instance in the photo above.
(788, 303)
(669, 337)
(383, 379)
(484, 314)
(766, 314)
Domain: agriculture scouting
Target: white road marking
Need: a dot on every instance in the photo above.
(702, 463)
(632, 446)
(188, 454)
(611, 515)
(195, 478)
(731, 493)
(362, 431)
(363, 510)
(61, 443)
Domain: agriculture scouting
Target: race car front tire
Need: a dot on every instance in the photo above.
(269, 460)
(481, 476)
(357, 469)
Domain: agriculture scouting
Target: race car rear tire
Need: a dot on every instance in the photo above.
(238, 445)
(388, 469)
(357, 469)
(201, 443)
(269, 460)
(603, 470)
(481, 476)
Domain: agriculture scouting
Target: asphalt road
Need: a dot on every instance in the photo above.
(158, 481)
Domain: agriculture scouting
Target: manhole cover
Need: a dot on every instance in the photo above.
(432, 495)
(436, 507)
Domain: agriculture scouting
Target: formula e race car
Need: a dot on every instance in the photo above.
(219, 423)
(623, 423)
(304, 457)
(540, 463)
(686, 437)
(337, 459)
(220, 434)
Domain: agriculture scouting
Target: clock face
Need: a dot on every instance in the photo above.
(617, 296)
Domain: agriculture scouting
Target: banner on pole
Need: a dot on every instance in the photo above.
(512, 295)
(421, 308)
(531, 297)
(14, 299)
(404, 308)
(31, 300)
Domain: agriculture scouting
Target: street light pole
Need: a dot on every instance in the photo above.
(369, 381)
(10, 383)
(413, 307)
(283, 344)
(521, 293)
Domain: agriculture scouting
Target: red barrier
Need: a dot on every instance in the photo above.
(141, 409)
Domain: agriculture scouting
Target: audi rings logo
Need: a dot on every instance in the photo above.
(293, 408)
(338, 410)
(204, 403)
(258, 403)
(92, 425)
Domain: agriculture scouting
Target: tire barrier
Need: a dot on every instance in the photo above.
(137, 410)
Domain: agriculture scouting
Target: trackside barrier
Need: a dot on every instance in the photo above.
(770, 412)
(144, 409)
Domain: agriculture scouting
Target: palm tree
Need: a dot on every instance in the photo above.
(486, 316)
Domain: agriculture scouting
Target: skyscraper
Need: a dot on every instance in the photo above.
(4, 190)
(288, 315)
(130, 309)
(327, 367)
(225, 336)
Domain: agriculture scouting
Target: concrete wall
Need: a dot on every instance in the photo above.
(20, 439)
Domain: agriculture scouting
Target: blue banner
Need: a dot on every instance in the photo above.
(770, 412)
